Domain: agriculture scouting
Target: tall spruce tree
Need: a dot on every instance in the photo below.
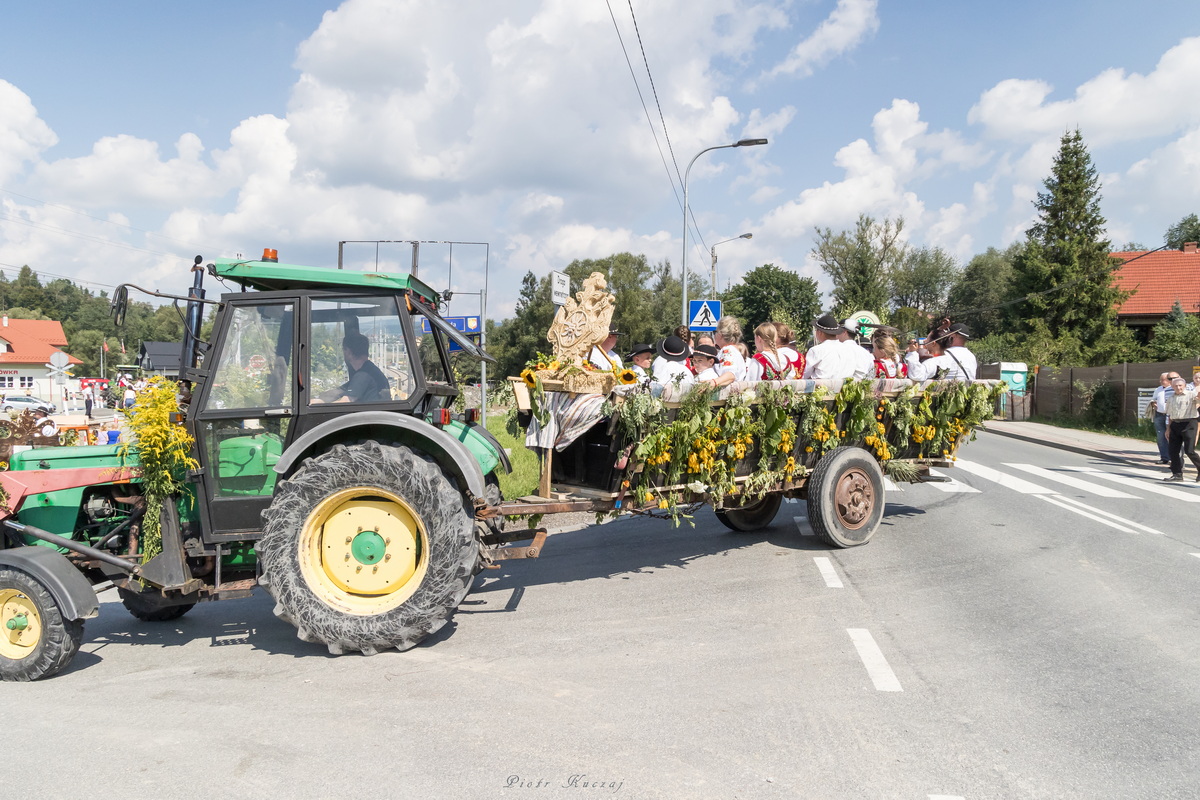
(1065, 271)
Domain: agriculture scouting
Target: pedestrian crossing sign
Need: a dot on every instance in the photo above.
(703, 314)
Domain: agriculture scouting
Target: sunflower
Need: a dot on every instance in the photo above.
(529, 377)
(626, 377)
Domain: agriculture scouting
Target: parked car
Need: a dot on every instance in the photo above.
(24, 402)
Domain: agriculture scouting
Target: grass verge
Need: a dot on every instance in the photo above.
(523, 480)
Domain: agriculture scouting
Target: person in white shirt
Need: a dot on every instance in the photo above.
(603, 356)
(787, 348)
(1156, 410)
(828, 359)
(1183, 411)
(769, 362)
(948, 353)
(704, 359)
(864, 362)
(668, 367)
(639, 360)
(731, 365)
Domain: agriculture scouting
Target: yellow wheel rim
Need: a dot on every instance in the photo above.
(363, 551)
(20, 625)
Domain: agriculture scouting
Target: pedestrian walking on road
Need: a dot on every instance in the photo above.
(1156, 410)
(1183, 412)
(87, 401)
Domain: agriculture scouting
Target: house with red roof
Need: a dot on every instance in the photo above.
(25, 349)
(1157, 279)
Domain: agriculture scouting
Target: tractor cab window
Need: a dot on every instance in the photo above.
(254, 369)
(358, 352)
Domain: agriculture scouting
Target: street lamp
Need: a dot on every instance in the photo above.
(714, 257)
(686, 174)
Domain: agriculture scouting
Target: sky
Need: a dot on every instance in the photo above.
(136, 135)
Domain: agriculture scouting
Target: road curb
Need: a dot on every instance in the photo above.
(1073, 448)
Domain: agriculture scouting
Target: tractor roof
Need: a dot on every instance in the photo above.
(272, 276)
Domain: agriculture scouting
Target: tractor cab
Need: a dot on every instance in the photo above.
(309, 349)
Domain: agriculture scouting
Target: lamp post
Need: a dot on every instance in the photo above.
(686, 174)
(714, 257)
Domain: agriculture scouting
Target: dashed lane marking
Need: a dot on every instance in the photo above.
(825, 566)
(1075, 483)
(872, 657)
(803, 526)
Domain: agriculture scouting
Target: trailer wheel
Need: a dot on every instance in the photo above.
(139, 607)
(35, 640)
(752, 517)
(367, 547)
(845, 497)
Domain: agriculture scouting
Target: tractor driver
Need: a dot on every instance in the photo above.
(367, 383)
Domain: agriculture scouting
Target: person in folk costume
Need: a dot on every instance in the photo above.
(888, 363)
(787, 347)
(731, 366)
(768, 364)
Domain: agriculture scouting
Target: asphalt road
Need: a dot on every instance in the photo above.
(1006, 635)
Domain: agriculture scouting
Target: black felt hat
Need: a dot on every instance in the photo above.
(706, 350)
(640, 348)
(673, 348)
(960, 329)
(826, 323)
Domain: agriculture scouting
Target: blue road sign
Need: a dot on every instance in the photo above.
(467, 325)
(703, 314)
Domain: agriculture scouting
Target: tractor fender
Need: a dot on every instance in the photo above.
(66, 584)
(451, 454)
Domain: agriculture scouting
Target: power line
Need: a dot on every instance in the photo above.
(56, 275)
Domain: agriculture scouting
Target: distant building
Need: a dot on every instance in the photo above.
(1159, 278)
(25, 349)
(160, 358)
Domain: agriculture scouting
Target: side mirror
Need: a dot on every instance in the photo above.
(120, 301)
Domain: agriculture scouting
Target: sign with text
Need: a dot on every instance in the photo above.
(703, 314)
(560, 287)
(465, 325)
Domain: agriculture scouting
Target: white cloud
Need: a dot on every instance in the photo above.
(23, 134)
(845, 28)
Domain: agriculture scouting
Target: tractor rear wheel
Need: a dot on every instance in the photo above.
(35, 640)
(752, 517)
(368, 547)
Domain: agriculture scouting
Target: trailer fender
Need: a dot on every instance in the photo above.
(451, 454)
(66, 584)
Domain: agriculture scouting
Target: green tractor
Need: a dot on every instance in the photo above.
(332, 472)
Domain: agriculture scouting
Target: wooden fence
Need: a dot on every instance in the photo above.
(1062, 391)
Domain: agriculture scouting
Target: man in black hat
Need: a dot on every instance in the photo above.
(639, 359)
(669, 367)
(828, 358)
(951, 359)
(603, 356)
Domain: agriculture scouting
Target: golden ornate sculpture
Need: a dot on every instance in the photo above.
(583, 321)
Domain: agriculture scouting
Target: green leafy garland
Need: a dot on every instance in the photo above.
(694, 450)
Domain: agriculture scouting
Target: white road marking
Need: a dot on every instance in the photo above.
(1197, 555)
(1008, 481)
(1056, 500)
(827, 572)
(1138, 483)
(1076, 483)
(872, 657)
(890, 486)
(1139, 526)
(951, 485)
(803, 526)
(946, 797)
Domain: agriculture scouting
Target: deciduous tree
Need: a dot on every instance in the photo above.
(860, 263)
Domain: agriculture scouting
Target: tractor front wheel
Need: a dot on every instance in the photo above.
(368, 547)
(35, 640)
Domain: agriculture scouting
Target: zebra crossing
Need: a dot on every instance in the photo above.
(1116, 482)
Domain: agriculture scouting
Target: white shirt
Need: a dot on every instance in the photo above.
(754, 369)
(731, 361)
(861, 358)
(709, 374)
(928, 369)
(637, 370)
(599, 362)
(667, 372)
(828, 360)
(1160, 397)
